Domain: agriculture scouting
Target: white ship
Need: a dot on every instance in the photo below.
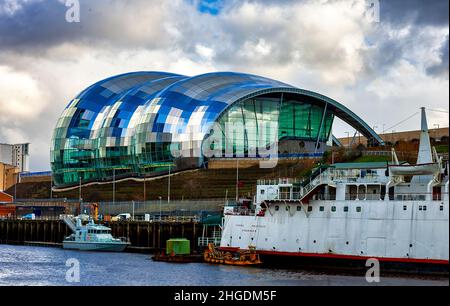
(347, 213)
(92, 237)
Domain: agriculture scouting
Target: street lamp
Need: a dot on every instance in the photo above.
(79, 190)
(114, 186)
(348, 139)
(144, 189)
(160, 211)
(237, 180)
(168, 187)
(436, 131)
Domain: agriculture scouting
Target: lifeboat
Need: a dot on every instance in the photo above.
(419, 169)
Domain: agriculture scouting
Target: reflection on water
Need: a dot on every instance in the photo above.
(23, 265)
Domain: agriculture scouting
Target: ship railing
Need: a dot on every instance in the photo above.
(280, 181)
(175, 219)
(408, 197)
(204, 241)
(241, 212)
(124, 239)
(350, 196)
(69, 222)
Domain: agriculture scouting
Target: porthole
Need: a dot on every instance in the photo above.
(299, 208)
(358, 209)
(321, 208)
(314, 241)
(288, 208)
(405, 207)
(309, 208)
(424, 207)
(345, 208)
(441, 207)
(420, 207)
(333, 208)
(277, 208)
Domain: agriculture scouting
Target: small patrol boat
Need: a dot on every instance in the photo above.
(92, 237)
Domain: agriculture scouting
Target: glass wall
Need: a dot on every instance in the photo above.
(289, 119)
(303, 121)
(128, 125)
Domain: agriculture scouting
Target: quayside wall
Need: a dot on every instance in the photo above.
(144, 236)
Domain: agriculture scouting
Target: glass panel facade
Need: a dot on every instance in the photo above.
(294, 119)
(132, 124)
(303, 121)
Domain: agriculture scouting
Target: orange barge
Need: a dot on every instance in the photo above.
(240, 258)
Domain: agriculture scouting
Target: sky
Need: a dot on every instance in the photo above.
(382, 59)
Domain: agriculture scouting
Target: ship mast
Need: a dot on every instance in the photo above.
(425, 155)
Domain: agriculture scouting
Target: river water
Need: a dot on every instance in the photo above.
(38, 266)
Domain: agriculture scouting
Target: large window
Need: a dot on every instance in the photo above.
(294, 119)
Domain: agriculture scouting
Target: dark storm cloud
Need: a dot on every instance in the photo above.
(42, 24)
(418, 12)
(37, 24)
(417, 19)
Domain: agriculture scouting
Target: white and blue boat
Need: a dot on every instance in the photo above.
(92, 237)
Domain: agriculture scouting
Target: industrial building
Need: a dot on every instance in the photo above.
(144, 123)
(14, 159)
(16, 155)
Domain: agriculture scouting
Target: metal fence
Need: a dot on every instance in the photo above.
(174, 207)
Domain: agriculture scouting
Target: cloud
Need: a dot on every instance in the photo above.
(326, 46)
(24, 99)
(38, 25)
(416, 12)
(441, 69)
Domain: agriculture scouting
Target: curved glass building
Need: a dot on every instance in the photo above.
(139, 124)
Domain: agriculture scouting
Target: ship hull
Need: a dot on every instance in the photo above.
(336, 262)
(94, 246)
(346, 233)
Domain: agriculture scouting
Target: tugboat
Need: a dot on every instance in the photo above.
(92, 237)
